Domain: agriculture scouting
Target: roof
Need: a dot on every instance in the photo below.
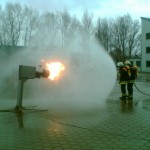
(145, 18)
(6, 50)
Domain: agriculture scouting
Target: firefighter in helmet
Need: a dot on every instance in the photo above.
(132, 73)
(123, 79)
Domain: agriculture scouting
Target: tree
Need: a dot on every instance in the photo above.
(87, 28)
(30, 25)
(50, 28)
(125, 36)
(1, 27)
(68, 27)
(120, 37)
(13, 21)
(103, 33)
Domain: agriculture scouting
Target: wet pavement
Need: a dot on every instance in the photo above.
(118, 126)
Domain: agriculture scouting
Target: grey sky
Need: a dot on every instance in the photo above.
(99, 8)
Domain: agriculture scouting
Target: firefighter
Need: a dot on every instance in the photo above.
(132, 73)
(123, 79)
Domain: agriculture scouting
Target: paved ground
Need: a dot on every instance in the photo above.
(120, 126)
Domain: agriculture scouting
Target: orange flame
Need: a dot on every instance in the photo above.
(55, 69)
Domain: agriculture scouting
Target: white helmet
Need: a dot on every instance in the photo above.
(127, 62)
(120, 64)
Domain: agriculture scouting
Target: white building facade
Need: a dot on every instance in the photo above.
(145, 60)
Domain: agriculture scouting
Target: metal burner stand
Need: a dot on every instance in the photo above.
(25, 73)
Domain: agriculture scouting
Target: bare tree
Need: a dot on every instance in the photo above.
(87, 28)
(4, 33)
(125, 36)
(120, 37)
(1, 26)
(134, 39)
(103, 33)
(30, 25)
(49, 28)
(65, 28)
(14, 17)
(65, 22)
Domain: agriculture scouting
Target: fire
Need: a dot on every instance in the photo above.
(55, 69)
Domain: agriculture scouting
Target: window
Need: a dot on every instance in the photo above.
(147, 49)
(138, 63)
(147, 36)
(147, 63)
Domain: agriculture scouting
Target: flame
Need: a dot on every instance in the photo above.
(55, 69)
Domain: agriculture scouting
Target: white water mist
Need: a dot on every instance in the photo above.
(86, 83)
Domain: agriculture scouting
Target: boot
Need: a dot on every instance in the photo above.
(123, 98)
(130, 97)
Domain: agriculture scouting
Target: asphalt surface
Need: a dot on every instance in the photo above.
(121, 125)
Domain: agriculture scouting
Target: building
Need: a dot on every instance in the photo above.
(145, 60)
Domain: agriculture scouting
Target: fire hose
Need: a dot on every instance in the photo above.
(140, 90)
(142, 93)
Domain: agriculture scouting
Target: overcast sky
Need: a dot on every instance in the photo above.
(99, 8)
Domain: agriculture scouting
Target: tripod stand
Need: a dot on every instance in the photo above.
(25, 73)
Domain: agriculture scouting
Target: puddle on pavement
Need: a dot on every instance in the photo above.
(143, 104)
(127, 106)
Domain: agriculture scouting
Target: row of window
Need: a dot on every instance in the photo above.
(147, 49)
(147, 63)
(138, 63)
(147, 36)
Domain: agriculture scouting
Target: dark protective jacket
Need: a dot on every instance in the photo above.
(123, 75)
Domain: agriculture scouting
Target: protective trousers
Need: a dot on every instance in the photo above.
(123, 89)
(130, 89)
